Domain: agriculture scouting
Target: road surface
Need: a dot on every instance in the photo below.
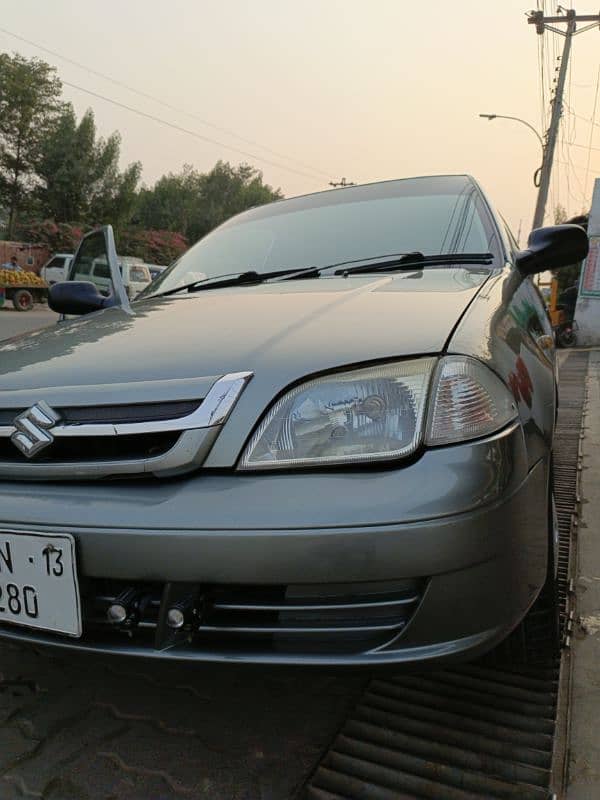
(14, 322)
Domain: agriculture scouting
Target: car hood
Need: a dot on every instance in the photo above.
(173, 348)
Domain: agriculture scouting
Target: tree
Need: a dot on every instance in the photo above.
(194, 203)
(79, 174)
(226, 191)
(172, 203)
(29, 104)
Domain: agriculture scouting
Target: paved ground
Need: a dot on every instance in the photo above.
(14, 322)
(584, 761)
(86, 729)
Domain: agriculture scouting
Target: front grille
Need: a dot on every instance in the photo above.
(74, 449)
(113, 414)
(334, 618)
(108, 440)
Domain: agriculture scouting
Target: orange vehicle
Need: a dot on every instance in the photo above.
(24, 289)
(562, 321)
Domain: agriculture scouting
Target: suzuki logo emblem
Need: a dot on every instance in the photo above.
(33, 426)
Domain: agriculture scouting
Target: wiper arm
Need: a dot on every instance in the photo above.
(250, 277)
(403, 261)
(416, 259)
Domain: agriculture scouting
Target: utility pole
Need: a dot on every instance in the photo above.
(543, 23)
(343, 182)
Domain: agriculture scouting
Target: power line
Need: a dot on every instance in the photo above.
(164, 103)
(584, 119)
(181, 129)
(575, 166)
(589, 156)
(585, 146)
(569, 133)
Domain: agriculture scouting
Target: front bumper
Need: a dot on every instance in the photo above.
(464, 527)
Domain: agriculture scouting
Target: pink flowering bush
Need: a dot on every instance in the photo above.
(155, 247)
(60, 237)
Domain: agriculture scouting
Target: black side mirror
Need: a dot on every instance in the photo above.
(76, 297)
(553, 247)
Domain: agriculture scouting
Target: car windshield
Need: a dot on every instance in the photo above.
(431, 215)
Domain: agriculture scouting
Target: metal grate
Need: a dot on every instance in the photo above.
(468, 733)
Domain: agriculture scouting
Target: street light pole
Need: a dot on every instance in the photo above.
(557, 107)
(538, 171)
(543, 23)
(516, 119)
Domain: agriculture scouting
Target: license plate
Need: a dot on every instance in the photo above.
(38, 582)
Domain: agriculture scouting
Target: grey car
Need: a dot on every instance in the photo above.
(321, 436)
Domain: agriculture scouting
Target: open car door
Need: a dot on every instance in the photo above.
(95, 262)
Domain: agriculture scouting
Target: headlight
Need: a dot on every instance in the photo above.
(378, 414)
(359, 416)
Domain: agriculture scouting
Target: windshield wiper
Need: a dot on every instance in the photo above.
(417, 259)
(248, 278)
(393, 262)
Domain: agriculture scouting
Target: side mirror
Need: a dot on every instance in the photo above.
(553, 247)
(76, 297)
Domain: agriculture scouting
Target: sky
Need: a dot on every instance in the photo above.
(337, 88)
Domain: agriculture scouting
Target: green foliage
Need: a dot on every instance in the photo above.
(29, 104)
(79, 174)
(56, 168)
(172, 202)
(194, 203)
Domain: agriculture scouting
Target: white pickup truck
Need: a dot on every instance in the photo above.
(55, 269)
(135, 273)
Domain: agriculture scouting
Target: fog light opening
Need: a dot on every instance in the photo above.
(127, 608)
(175, 618)
(116, 614)
(181, 614)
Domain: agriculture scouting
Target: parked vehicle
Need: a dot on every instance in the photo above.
(561, 310)
(134, 273)
(335, 415)
(155, 270)
(56, 268)
(23, 289)
(566, 333)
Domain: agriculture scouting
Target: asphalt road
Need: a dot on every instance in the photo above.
(86, 728)
(14, 322)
